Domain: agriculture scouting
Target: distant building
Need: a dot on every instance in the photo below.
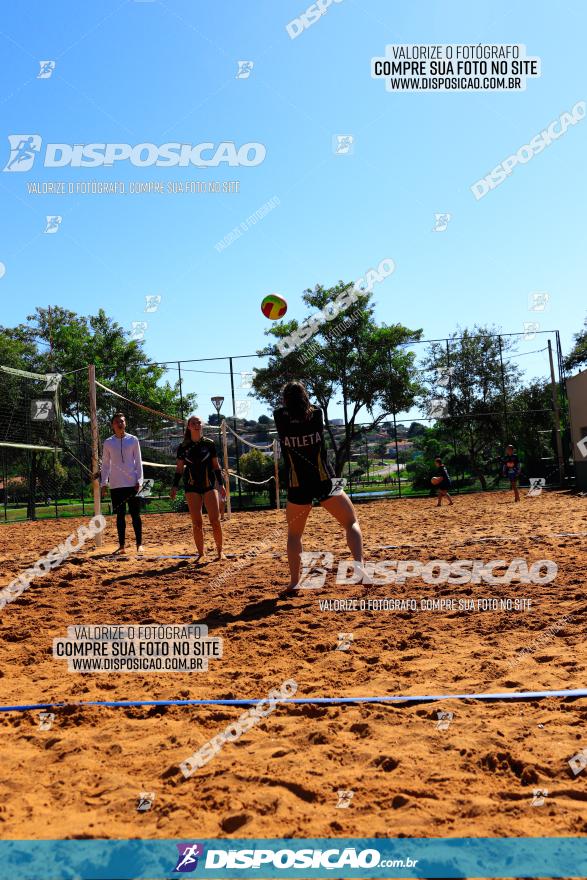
(402, 446)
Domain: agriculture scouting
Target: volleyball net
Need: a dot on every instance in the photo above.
(50, 458)
(160, 435)
(31, 438)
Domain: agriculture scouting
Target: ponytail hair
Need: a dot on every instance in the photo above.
(296, 400)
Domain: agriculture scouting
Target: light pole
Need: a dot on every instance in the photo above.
(218, 401)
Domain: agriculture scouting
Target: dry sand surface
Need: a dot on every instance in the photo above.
(82, 778)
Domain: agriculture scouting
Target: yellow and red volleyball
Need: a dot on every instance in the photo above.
(274, 307)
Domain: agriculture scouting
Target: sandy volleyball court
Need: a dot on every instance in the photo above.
(472, 774)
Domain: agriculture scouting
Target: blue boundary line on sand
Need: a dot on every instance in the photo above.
(518, 695)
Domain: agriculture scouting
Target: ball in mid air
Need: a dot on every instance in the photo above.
(274, 307)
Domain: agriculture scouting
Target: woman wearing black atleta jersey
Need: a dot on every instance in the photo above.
(197, 460)
(309, 476)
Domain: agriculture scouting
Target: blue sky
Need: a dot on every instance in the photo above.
(157, 72)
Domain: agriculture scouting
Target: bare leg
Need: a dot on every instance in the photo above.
(341, 508)
(195, 506)
(296, 514)
(214, 517)
(515, 488)
(443, 493)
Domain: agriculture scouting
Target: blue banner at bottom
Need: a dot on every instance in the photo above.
(303, 858)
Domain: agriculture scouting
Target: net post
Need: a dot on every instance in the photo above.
(276, 470)
(226, 473)
(95, 449)
(556, 419)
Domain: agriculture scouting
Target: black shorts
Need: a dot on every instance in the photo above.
(199, 490)
(319, 490)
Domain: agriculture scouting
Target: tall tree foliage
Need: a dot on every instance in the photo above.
(361, 365)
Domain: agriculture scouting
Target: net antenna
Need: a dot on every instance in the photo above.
(265, 447)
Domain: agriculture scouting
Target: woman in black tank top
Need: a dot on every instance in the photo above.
(309, 478)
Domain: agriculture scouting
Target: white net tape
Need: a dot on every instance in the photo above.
(31, 446)
(157, 464)
(252, 482)
(140, 405)
(42, 377)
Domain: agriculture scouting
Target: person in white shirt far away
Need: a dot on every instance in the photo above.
(122, 470)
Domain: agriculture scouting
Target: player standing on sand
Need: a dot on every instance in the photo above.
(444, 482)
(122, 469)
(300, 427)
(197, 461)
(511, 470)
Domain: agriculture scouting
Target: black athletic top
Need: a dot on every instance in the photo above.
(511, 466)
(198, 472)
(303, 447)
(442, 472)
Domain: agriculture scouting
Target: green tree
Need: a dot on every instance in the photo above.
(75, 341)
(256, 466)
(474, 390)
(415, 429)
(532, 427)
(430, 445)
(364, 366)
(578, 354)
(57, 340)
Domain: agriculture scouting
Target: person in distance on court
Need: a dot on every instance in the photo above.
(122, 470)
(309, 476)
(442, 482)
(511, 470)
(197, 462)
